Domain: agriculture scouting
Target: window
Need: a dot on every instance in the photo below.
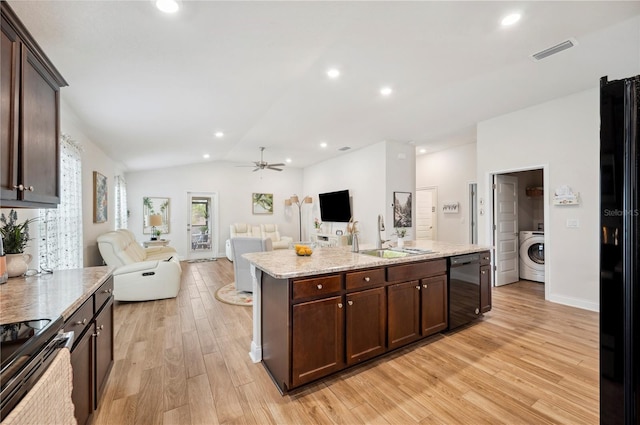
(121, 203)
(60, 245)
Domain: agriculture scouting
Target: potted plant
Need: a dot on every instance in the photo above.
(317, 224)
(15, 237)
(401, 232)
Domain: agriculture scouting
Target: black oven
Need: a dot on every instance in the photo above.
(26, 349)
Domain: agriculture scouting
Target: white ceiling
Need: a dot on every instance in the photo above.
(152, 89)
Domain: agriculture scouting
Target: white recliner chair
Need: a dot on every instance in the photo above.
(141, 274)
(240, 230)
(270, 231)
(241, 266)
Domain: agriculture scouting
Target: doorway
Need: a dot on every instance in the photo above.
(473, 213)
(202, 225)
(426, 215)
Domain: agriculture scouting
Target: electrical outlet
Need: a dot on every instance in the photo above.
(573, 223)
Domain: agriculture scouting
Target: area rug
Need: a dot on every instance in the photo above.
(228, 294)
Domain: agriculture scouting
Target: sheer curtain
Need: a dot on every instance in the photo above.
(121, 203)
(60, 244)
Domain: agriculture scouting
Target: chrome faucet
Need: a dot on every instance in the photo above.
(379, 240)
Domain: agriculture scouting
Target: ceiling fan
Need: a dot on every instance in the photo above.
(263, 165)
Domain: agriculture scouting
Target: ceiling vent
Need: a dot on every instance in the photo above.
(344, 148)
(567, 44)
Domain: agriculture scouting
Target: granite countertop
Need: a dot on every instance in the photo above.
(49, 296)
(285, 264)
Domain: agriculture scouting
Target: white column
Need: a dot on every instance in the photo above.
(256, 342)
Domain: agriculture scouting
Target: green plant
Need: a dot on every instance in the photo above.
(157, 233)
(401, 232)
(14, 236)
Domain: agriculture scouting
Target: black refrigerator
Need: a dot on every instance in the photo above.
(619, 247)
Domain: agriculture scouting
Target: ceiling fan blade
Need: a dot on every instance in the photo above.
(256, 169)
(280, 164)
(273, 168)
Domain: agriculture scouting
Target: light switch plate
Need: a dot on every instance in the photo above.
(573, 223)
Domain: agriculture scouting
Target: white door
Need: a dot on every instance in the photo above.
(202, 225)
(505, 228)
(426, 215)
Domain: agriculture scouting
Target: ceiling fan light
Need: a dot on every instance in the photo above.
(167, 6)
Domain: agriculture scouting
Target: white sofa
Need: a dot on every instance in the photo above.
(141, 274)
(263, 231)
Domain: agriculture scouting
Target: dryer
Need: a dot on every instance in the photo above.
(532, 255)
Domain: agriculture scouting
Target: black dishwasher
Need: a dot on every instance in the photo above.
(464, 289)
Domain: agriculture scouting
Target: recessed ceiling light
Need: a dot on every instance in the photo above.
(423, 150)
(206, 156)
(288, 160)
(323, 144)
(510, 19)
(219, 134)
(386, 91)
(333, 73)
(168, 6)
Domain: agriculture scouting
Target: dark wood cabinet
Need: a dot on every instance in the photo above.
(92, 352)
(82, 364)
(434, 305)
(30, 119)
(403, 313)
(485, 281)
(366, 324)
(317, 339)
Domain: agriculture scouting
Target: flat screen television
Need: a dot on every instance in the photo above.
(335, 206)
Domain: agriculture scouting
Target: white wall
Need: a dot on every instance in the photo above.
(563, 136)
(234, 186)
(371, 175)
(450, 171)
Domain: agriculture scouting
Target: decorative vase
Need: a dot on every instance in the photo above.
(17, 264)
(400, 242)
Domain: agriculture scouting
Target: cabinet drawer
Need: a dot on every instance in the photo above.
(485, 258)
(357, 280)
(316, 287)
(80, 319)
(103, 293)
(416, 270)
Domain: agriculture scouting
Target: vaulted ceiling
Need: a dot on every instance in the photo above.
(152, 89)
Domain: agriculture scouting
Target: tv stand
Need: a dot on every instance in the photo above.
(323, 239)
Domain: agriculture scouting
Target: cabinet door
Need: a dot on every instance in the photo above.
(317, 341)
(366, 324)
(485, 288)
(40, 132)
(9, 88)
(434, 305)
(82, 364)
(403, 313)
(104, 348)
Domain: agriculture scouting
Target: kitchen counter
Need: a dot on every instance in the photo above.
(49, 296)
(285, 264)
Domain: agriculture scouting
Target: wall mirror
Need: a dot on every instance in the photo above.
(151, 209)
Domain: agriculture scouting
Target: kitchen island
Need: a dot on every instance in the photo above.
(316, 315)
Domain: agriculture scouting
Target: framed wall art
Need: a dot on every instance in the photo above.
(262, 203)
(100, 198)
(450, 207)
(154, 207)
(402, 209)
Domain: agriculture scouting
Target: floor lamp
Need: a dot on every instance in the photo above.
(295, 200)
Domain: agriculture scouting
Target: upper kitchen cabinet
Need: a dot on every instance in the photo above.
(30, 119)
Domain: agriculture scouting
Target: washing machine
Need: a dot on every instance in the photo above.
(532, 255)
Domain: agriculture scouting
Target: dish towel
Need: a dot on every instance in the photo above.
(49, 401)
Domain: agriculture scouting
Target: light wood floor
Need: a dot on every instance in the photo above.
(185, 361)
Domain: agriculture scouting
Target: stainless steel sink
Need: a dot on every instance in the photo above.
(395, 252)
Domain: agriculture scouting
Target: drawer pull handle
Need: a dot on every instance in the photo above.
(107, 291)
(339, 305)
(418, 287)
(367, 278)
(101, 327)
(97, 334)
(350, 302)
(425, 286)
(84, 322)
(20, 187)
(30, 188)
(484, 272)
(319, 285)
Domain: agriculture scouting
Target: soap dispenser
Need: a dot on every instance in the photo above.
(354, 243)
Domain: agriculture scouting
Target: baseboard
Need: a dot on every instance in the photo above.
(575, 302)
